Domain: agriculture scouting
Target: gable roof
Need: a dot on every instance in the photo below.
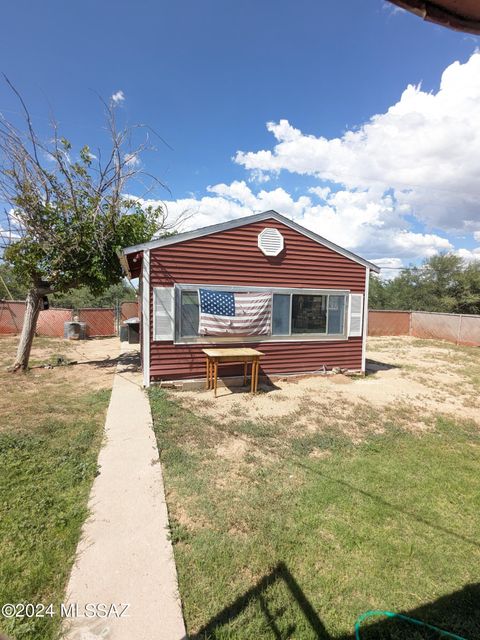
(240, 222)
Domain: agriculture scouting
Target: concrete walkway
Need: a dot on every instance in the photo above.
(124, 556)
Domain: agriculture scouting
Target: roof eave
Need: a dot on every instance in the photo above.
(447, 14)
(124, 264)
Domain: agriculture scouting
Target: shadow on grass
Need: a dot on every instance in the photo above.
(259, 592)
(457, 614)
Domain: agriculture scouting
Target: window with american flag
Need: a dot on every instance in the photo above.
(230, 313)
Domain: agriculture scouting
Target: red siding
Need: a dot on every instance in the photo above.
(169, 361)
(233, 258)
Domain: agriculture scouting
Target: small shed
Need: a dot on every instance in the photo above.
(261, 281)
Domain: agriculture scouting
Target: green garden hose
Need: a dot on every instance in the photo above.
(390, 614)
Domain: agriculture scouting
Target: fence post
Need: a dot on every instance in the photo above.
(410, 313)
(117, 316)
(459, 330)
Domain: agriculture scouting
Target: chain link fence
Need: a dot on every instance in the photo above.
(460, 329)
(388, 323)
(11, 316)
(51, 321)
(99, 321)
(129, 310)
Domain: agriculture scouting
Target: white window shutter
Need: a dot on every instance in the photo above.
(355, 314)
(163, 313)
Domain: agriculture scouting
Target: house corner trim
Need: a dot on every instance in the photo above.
(365, 320)
(146, 317)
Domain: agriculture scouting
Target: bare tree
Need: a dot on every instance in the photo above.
(68, 213)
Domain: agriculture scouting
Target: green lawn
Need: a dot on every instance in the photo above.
(50, 434)
(296, 533)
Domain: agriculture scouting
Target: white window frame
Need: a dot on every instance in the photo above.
(145, 284)
(293, 337)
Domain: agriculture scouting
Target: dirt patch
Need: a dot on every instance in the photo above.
(96, 362)
(182, 514)
(402, 371)
(232, 449)
(320, 453)
(340, 379)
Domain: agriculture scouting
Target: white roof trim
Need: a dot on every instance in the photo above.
(240, 222)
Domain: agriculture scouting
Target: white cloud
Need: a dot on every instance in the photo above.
(392, 9)
(469, 255)
(391, 267)
(425, 148)
(420, 159)
(117, 97)
(258, 176)
(132, 160)
(321, 192)
(8, 235)
(364, 221)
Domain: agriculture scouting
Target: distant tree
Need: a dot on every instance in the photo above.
(376, 293)
(68, 215)
(468, 296)
(83, 297)
(444, 283)
(12, 289)
(10, 286)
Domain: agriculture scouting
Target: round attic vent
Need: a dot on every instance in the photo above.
(270, 242)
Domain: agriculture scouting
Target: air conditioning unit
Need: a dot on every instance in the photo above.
(75, 330)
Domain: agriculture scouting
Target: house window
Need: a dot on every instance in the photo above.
(319, 314)
(309, 314)
(293, 314)
(281, 314)
(189, 314)
(336, 314)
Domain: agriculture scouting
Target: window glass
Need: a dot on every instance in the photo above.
(189, 314)
(336, 314)
(281, 314)
(309, 314)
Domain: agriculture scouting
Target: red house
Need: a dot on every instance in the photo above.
(318, 292)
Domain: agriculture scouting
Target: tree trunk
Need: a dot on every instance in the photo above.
(32, 309)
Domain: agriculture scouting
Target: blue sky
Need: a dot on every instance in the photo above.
(209, 76)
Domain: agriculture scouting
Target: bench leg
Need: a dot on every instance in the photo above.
(257, 367)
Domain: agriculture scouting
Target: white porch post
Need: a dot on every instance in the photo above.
(146, 317)
(365, 320)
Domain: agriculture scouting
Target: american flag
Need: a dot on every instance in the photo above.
(224, 313)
